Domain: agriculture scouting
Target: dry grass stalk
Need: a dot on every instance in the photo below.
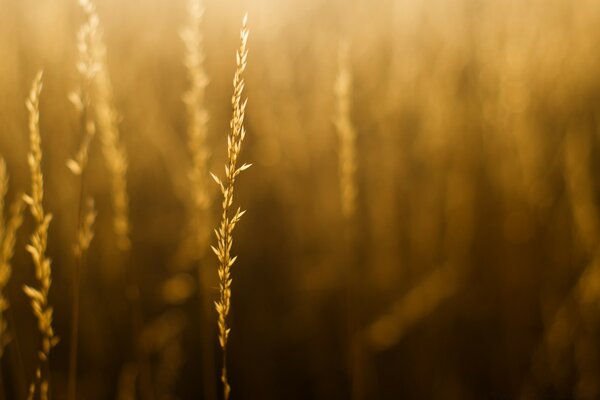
(84, 237)
(37, 247)
(224, 232)
(107, 119)
(348, 193)
(8, 231)
(116, 160)
(197, 232)
(86, 231)
(194, 100)
(197, 236)
(87, 66)
(346, 133)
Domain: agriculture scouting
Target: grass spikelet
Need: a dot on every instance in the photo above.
(107, 119)
(88, 65)
(86, 233)
(37, 247)
(194, 100)
(8, 231)
(346, 133)
(197, 233)
(224, 232)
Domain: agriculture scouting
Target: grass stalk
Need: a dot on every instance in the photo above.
(229, 219)
(198, 176)
(348, 192)
(87, 66)
(37, 248)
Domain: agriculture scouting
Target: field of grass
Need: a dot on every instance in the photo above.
(412, 187)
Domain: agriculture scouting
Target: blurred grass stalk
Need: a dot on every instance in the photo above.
(87, 66)
(347, 166)
(8, 233)
(197, 234)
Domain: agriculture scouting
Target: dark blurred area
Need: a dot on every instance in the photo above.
(472, 257)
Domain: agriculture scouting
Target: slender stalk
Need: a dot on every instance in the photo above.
(86, 218)
(198, 231)
(143, 365)
(208, 356)
(348, 193)
(346, 133)
(107, 118)
(72, 377)
(37, 247)
(87, 66)
(224, 232)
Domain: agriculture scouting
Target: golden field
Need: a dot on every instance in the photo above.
(422, 215)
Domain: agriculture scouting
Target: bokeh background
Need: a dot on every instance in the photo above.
(473, 257)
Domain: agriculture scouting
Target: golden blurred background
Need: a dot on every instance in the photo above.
(468, 267)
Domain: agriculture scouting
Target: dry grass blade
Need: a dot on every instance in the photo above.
(37, 247)
(224, 232)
